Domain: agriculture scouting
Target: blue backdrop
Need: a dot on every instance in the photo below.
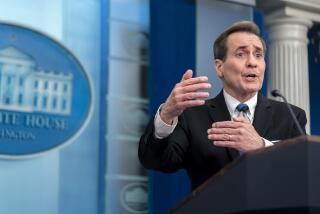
(172, 31)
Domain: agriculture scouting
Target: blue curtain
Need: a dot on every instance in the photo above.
(172, 52)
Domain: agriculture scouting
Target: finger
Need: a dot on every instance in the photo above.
(187, 75)
(194, 87)
(229, 131)
(193, 96)
(194, 80)
(240, 119)
(227, 124)
(190, 103)
(224, 137)
(229, 144)
(219, 137)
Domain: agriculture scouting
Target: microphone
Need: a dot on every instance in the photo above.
(276, 93)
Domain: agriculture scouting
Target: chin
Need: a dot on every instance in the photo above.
(252, 90)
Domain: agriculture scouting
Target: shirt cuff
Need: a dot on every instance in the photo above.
(267, 143)
(161, 129)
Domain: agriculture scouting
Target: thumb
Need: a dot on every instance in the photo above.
(239, 119)
(187, 75)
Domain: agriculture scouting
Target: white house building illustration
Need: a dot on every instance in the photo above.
(27, 88)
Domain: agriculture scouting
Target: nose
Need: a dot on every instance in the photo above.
(252, 61)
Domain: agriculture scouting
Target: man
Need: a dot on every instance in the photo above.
(203, 136)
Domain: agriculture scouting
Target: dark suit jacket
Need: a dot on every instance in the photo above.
(188, 146)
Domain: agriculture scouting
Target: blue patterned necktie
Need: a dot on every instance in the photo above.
(243, 108)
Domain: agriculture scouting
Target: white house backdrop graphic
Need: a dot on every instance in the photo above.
(27, 88)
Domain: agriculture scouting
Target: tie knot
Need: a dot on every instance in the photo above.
(242, 107)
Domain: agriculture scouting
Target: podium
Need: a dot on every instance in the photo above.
(284, 178)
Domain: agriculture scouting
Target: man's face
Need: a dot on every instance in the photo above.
(242, 71)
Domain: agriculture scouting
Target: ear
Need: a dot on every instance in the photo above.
(219, 67)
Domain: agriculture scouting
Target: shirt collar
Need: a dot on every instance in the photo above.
(232, 103)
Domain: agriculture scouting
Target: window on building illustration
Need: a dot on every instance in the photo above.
(65, 87)
(7, 100)
(44, 102)
(46, 85)
(20, 99)
(21, 81)
(9, 80)
(55, 86)
(36, 84)
(64, 104)
(54, 103)
(35, 101)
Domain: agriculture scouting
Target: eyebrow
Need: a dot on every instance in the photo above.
(245, 47)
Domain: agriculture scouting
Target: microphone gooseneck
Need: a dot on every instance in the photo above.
(276, 93)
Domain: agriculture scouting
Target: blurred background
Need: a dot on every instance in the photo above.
(134, 52)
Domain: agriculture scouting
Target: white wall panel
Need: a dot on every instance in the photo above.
(127, 104)
(133, 11)
(128, 78)
(128, 41)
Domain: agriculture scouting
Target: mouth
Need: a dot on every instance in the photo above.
(251, 77)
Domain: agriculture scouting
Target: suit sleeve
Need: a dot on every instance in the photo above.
(167, 154)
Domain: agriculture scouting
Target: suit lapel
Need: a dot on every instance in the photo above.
(219, 112)
(262, 114)
(218, 109)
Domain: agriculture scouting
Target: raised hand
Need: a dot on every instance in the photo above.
(185, 94)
